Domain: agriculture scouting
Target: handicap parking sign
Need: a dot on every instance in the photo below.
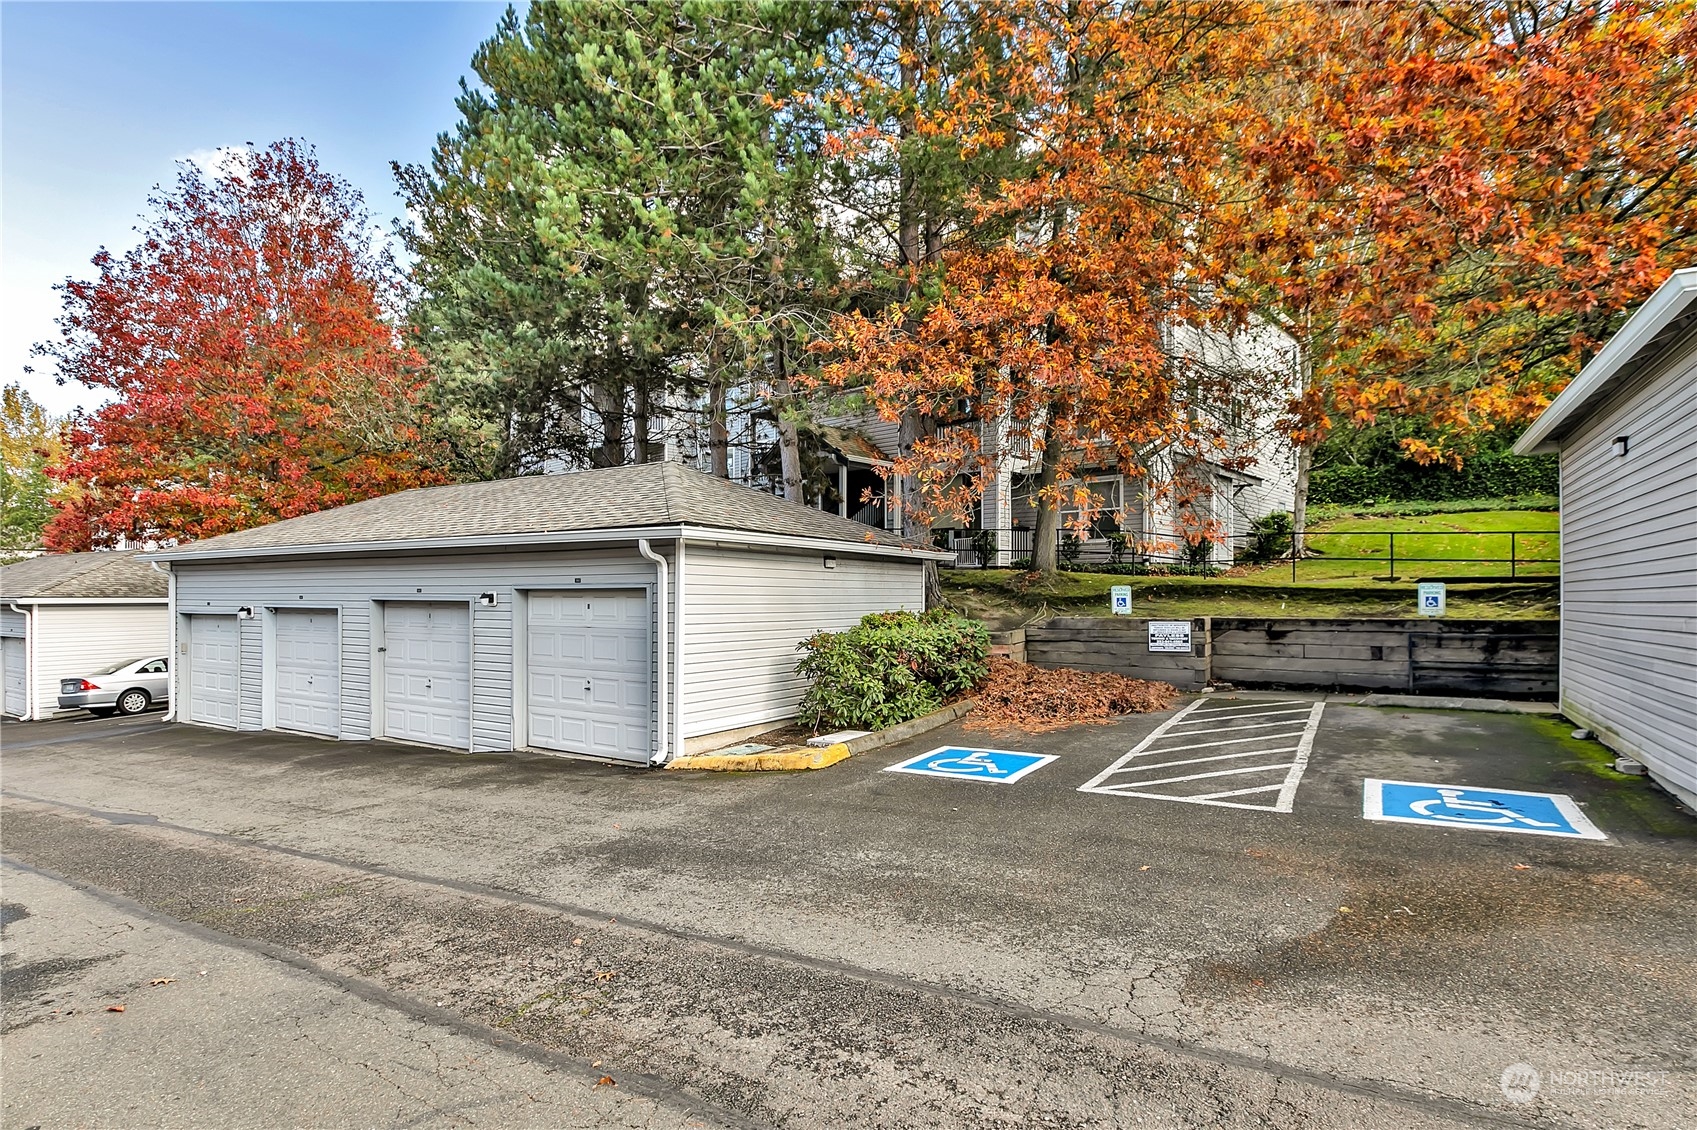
(998, 766)
(1489, 810)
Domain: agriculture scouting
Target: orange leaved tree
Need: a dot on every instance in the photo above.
(1053, 321)
(253, 370)
(1454, 204)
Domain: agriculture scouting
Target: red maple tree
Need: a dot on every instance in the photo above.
(255, 373)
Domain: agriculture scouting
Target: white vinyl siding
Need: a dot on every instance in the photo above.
(356, 587)
(745, 612)
(74, 639)
(1629, 569)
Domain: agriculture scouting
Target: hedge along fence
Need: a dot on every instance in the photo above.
(1487, 476)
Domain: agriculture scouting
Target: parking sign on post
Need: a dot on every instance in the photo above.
(1121, 599)
(1429, 595)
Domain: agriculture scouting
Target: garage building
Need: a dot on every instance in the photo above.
(1626, 431)
(71, 614)
(633, 613)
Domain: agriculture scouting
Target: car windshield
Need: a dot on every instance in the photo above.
(115, 667)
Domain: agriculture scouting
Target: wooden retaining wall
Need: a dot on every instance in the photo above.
(1498, 658)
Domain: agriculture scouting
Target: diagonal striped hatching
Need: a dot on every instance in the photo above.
(1245, 755)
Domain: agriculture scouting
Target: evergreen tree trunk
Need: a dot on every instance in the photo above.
(718, 430)
(610, 407)
(641, 422)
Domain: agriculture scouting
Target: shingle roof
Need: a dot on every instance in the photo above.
(113, 575)
(652, 494)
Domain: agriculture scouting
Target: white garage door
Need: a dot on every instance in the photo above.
(215, 667)
(427, 673)
(307, 692)
(587, 682)
(13, 698)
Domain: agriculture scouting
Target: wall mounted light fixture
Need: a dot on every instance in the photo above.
(1620, 444)
(830, 561)
(486, 599)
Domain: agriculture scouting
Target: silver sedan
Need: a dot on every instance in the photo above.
(123, 688)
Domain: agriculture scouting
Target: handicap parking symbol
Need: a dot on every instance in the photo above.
(998, 766)
(1489, 810)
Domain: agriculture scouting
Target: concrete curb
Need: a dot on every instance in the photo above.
(772, 760)
(1440, 702)
(803, 757)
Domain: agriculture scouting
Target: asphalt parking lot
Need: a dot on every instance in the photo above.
(1211, 934)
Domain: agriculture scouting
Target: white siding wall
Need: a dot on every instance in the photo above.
(745, 611)
(76, 639)
(354, 588)
(11, 623)
(1629, 570)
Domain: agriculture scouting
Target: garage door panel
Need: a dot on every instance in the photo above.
(588, 688)
(14, 686)
(306, 694)
(215, 669)
(427, 673)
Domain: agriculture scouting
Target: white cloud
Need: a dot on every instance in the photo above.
(223, 160)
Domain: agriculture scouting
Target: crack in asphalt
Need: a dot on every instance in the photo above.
(1279, 1073)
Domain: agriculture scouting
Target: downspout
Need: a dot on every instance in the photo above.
(29, 660)
(170, 640)
(660, 755)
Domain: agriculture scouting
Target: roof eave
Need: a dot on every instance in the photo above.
(1671, 300)
(187, 555)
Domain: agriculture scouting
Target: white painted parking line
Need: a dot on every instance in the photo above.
(1230, 711)
(1303, 709)
(1130, 775)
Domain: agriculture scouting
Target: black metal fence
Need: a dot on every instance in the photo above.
(1384, 555)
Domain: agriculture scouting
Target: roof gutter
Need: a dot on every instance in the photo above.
(188, 555)
(1662, 307)
(91, 599)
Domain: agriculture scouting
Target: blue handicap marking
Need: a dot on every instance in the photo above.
(1490, 810)
(998, 766)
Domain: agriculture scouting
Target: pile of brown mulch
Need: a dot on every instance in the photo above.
(1035, 699)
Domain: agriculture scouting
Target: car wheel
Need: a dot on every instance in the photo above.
(133, 702)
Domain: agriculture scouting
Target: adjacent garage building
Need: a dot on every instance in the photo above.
(1626, 431)
(71, 614)
(632, 613)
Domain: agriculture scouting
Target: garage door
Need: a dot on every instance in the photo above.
(214, 670)
(13, 698)
(587, 680)
(427, 673)
(307, 691)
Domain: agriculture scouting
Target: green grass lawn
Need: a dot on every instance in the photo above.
(1339, 583)
(1432, 545)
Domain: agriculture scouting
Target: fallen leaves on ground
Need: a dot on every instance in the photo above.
(114, 1008)
(606, 1081)
(163, 981)
(1035, 699)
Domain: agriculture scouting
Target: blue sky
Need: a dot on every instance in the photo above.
(97, 102)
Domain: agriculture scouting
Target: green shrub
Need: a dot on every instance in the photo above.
(1142, 569)
(1269, 538)
(1484, 476)
(890, 667)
